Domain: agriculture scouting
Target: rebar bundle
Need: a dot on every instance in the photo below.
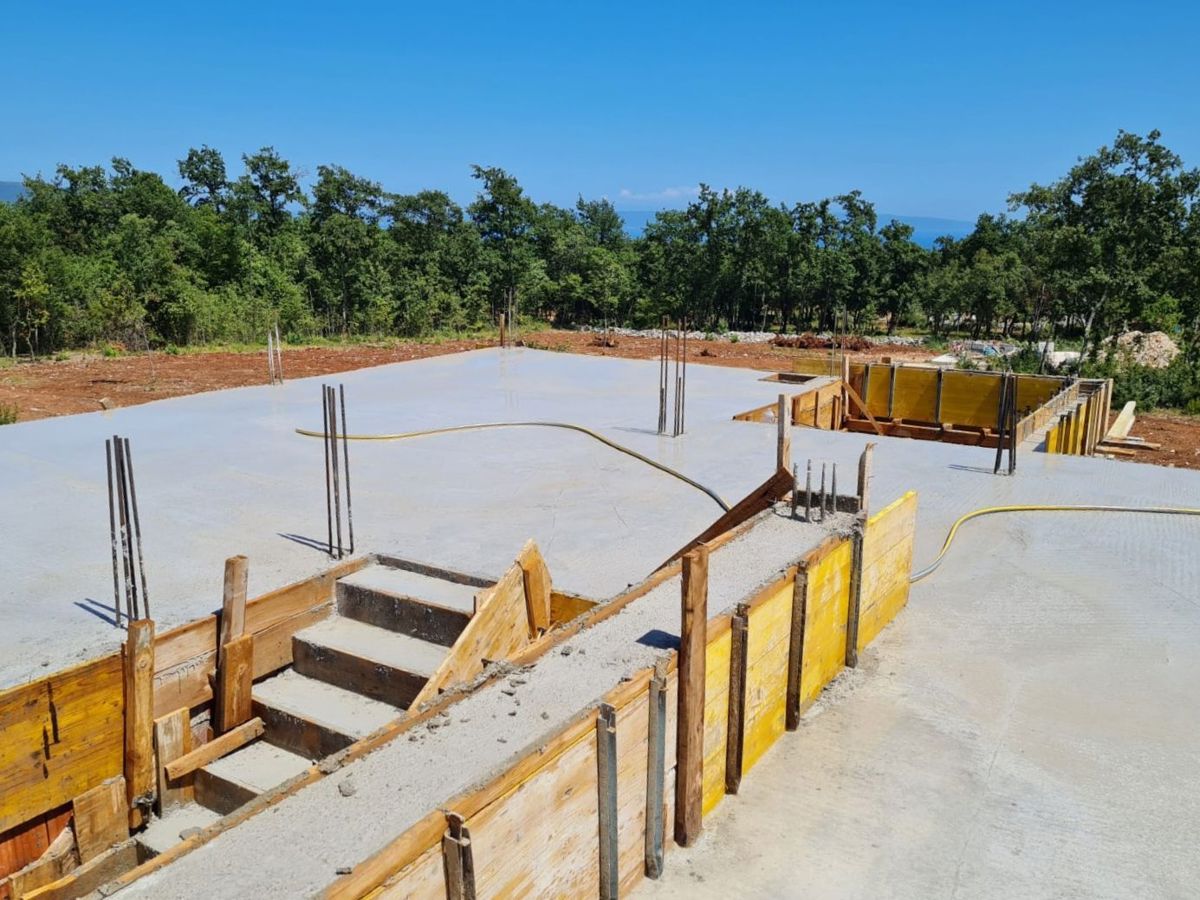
(125, 529)
(336, 472)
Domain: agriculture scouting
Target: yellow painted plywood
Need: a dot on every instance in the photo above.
(768, 634)
(825, 621)
(878, 389)
(970, 398)
(916, 394)
(716, 719)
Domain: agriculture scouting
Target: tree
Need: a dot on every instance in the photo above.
(205, 182)
(266, 189)
(504, 217)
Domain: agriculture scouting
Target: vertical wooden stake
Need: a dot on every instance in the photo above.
(503, 332)
(233, 602)
(735, 732)
(537, 587)
(172, 739)
(843, 400)
(854, 608)
(235, 678)
(458, 859)
(864, 477)
(795, 671)
(139, 719)
(783, 439)
(656, 770)
(689, 737)
(606, 788)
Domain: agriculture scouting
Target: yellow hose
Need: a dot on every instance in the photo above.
(990, 510)
(592, 434)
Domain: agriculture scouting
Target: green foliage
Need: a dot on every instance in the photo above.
(1176, 386)
(8, 413)
(108, 257)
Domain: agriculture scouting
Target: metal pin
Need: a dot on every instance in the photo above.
(795, 488)
(808, 494)
(278, 354)
(112, 528)
(821, 502)
(137, 529)
(833, 491)
(337, 492)
(328, 472)
(346, 466)
(270, 359)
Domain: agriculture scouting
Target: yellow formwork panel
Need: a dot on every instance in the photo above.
(767, 639)
(878, 388)
(887, 564)
(970, 398)
(1036, 390)
(825, 621)
(716, 718)
(916, 394)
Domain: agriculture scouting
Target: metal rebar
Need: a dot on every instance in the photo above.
(137, 530)
(328, 474)
(821, 500)
(795, 488)
(279, 354)
(337, 489)
(270, 359)
(112, 529)
(808, 494)
(123, 520)
(683, 389)
(346, 467)
(833, 490)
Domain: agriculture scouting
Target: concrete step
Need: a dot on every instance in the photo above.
(163, 834)
(423, 606)
(375, 662)
(314, 719)
(241, 776)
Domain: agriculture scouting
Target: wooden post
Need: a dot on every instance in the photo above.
(656, 764)
(795, 671)
(172, 739)
(139, 719)
(233, 602)
(864, 477)
(458, 859)
(892, 394)
(537, 587)
(689, 737)
(843, 400)
(235, 676)
(856, 572)
(783, 437)
(606, 790)
(735, 731)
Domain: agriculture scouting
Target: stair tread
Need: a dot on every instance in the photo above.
(414, 585)
(377, 645)
(259, 766)
(163, 834)
(326, 704)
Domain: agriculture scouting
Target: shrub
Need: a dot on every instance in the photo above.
(8, 413)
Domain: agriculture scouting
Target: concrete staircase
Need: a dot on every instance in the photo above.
(352, 674)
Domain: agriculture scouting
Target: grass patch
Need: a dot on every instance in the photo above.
(8, 413)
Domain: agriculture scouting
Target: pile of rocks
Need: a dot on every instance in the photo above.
(1146, 348)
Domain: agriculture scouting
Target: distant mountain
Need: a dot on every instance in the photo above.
(10, 191)
(926, 229)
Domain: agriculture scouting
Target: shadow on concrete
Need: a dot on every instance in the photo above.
(660, 640)
(101, 611)
(311, 543)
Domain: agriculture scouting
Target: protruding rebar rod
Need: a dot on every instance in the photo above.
(337, 489)
(346, 467)
(683, 389)
(795, 488)
(137, 529)
(278, 354)
(112, 529)
(131, 602)
(821, 500)
(833, 490)
(270, 359)
(328, 472)
(808, 494)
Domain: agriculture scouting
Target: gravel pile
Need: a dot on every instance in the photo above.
(1147, 348)
(767, 337)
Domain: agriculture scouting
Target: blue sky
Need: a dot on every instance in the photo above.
(931, 109)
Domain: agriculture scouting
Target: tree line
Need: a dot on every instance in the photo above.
(114, 254)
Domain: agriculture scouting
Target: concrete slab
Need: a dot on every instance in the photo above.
(259, 767)
(377, 645)
(163, 834)
(335, 708)
(414, 585)
(224, 473)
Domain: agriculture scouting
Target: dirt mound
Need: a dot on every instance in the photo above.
(817, 342)
(1147, 348)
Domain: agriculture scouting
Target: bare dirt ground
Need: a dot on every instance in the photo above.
(86, 383)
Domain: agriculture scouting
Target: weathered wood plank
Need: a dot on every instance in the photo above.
(172, 739)
(214, 749)
(235, 678)
(537, 587)
(140, 781)
(101, 818)
(689, 752)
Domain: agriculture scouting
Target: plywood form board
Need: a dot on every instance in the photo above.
(825, 621)
(766, 671)
(716, 711)
(101, 820)
(499, 628)
(422, 879)
(916, 394)
(62, 736)
(887, 564)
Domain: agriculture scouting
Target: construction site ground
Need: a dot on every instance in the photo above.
(87, 382)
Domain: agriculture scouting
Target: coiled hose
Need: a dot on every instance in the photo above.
(992, 510)
(567, 425)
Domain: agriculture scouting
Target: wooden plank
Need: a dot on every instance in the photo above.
(233, 602)
(656, 748)
(91, 875)
(58, 860)
(101, 818)
(214, 749)
(783, 437)
(140, 780)
(459, 859)
(62, 736)
(172, 739)
(796, 647)
(499, 628)
(689, 748)
(854, 602)
(235, 678)
(606, 801)
(825, 621)
(735, 731)
(537, 587)
(862, 408)
(1123, 423)
(565, 607)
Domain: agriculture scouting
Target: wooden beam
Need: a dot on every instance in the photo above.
(862, 406)
(864, 477)
(656, 753)
(233, 602)
(172, 739)
(689, 739)
(783, 438)
(235, 678)
(606, 799)
(214, 749)
(796, 648)
(538, 587)
(139, 719)
(1123, 423)
(735, 731)
(101, 818)
(458, 859)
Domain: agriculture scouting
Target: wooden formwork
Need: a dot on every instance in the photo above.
(537, 829)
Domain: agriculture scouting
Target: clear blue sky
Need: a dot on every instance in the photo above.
(931, 109)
